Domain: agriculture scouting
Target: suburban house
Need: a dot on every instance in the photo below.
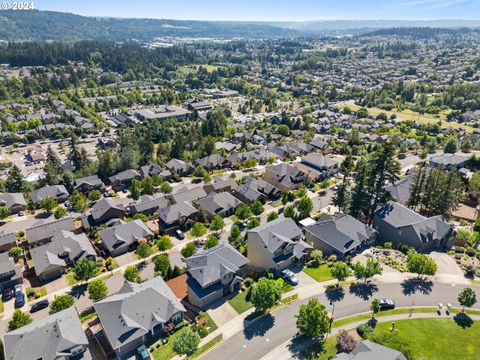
(123, 179)
(57, 336)
(398, 224)
(372, 351)
(285, 176)
(276, 245)
(119, 239)
(400, 190)
(65, 248)
(147, 204)
(179, 167)
(43, 230)
(218, 184)
(185, 194)
(13, 202)
(89, 183)
(213, 274)
(449, 161)
(223, 204)
(318, 166)
(340, 234)
(212, 162)
(103, 211)
(176, 216)
(137, 313)
(56, 192)
(10, 273)
(7, 241)
(252, 189)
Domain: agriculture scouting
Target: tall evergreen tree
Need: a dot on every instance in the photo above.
(14, 182)
(360, 199)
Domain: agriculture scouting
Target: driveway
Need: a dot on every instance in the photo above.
(448, 272)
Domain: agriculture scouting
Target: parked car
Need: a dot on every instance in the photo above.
(142, 351)
(179, 234)
(290, 277)
(18, 289)
(386, 304)
(7, 294)
(42, 304)
(21, 213)
(19, 300)
(67, 204)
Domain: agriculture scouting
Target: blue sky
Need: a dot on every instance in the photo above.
(270, 10)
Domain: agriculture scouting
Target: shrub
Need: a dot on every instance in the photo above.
(202, 331)
(30, 292)
(248, 282)
(364, 330)
(180, 325)
(459, 249)
(332, 258)
(388, 245)
(345, 343)
(471, 251)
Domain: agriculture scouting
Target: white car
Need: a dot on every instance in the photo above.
(290, 277)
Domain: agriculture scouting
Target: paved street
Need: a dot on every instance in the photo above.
(269, 332)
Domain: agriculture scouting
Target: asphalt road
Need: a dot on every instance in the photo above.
(258, 339)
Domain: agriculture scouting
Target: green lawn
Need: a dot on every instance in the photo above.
(1, 306)
(211, 326)
(321, 273)
(438, 338)
(164, 352)
(239, 303)
(71, 279)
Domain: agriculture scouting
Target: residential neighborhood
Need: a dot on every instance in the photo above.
(177, 189)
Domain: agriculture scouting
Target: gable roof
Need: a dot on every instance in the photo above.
(276, 233)
(211, 265)
(400, 190)
(93, 180)
(63, 244)
(103, 205)
(172, 213)
(211, 161)
(136, 309)
(189, 194)
(124, 234)
(46, 228)
(400, 216)
(368, 350)
(218, 203)
(53, 191)
(341, 231)
(10, 199)
(148, 203)
(128, 174)
(46, 338)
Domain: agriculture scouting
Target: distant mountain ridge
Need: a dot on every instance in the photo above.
(58, 26)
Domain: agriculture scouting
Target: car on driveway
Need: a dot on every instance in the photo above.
(19, 300)
(42, 304)
(7, 294)
(142, 351)
(180, 234)
(290, 277)
(18, 289)
(387, 304)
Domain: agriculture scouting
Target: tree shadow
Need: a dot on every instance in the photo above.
(259, 327)
(78, 291)
(313, 350)
(363, 290)
(334, 294)
(463, 320)
(412, 286)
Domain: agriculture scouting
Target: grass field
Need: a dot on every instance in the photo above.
(411, 115)
(438, 338)
(321, 273)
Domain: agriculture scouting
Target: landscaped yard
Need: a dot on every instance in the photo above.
(164, 352)
(438, 338)
(211, 326)
(239, 303)
(71, 279)
(321, 273)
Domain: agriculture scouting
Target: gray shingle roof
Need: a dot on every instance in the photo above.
(124, 175)
(93, 180)
(219, 203)
(278, 232)
(136, 309)
(104, 205)
(148, 203)
(10, 199)
(53, 191)
(45, 229)
(400, 190)
(126, 233)
(173, 213)
(213, 160)
(368, 350)
(189, 195)
(8, 266)
(46, 338)
(342, 232)
(212, 264)
(64, 244)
